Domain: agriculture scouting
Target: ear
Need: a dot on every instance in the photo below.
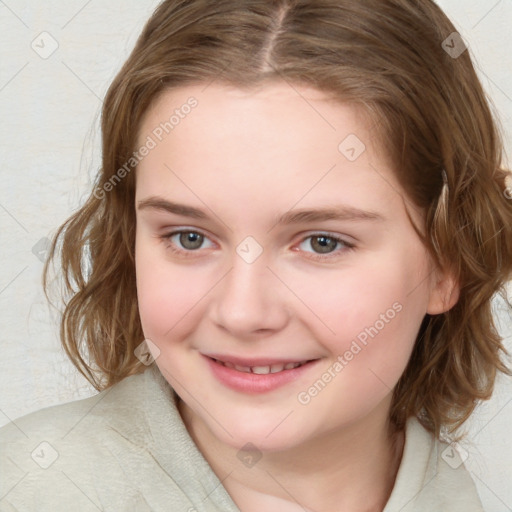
(445, 292)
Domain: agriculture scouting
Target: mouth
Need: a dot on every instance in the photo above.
(261, 369)
(253, 376)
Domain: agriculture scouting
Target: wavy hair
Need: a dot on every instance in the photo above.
(403, 63)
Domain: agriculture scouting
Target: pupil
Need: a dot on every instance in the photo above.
(191, 240)
(323, 244)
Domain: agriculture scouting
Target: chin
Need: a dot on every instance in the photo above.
(268, 436)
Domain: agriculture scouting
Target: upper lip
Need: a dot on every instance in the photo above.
(255, 361)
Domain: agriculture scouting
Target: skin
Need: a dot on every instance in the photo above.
(245, 158)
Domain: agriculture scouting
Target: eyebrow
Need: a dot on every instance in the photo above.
(342, 212)
(160, 204)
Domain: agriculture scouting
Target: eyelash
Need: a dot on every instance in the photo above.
(315, 256)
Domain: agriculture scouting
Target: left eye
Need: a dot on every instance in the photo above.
(323, 243)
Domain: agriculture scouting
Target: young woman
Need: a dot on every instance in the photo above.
(281, 283)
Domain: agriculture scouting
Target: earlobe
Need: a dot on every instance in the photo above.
(444, 295)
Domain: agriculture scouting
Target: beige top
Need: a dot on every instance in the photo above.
(127, 449)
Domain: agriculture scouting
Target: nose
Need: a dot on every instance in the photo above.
(249, 300)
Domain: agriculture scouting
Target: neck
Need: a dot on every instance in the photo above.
(351, 469)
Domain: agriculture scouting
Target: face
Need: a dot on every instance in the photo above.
(271, 230)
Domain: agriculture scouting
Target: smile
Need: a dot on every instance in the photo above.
(261, 370)
(258, 375)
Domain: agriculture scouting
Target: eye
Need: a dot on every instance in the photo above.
(324, 244)
(320, 246)
(185, 241)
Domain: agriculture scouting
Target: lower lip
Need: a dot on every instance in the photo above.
(255, 383)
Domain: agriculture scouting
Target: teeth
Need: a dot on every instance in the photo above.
(262, 370)
(246, 369)
(277, 368)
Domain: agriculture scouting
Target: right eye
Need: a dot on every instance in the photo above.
(189, 240)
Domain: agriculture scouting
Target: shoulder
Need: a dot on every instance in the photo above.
(431, 476)
(85, 415)
(124, 449)
(63, 450)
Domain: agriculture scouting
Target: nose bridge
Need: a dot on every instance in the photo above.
(248, 298)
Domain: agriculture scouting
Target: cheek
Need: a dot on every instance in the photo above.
(371, 313)
(353, 298)
(169, 296)
(376, 318)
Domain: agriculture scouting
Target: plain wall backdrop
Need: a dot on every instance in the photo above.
(57, 59)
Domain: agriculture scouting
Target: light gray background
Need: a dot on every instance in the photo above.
(49, 152)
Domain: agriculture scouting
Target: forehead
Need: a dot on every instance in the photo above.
(283, 99)
(277, 119)
(275, 142)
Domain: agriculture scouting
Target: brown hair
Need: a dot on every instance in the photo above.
(386, 56)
